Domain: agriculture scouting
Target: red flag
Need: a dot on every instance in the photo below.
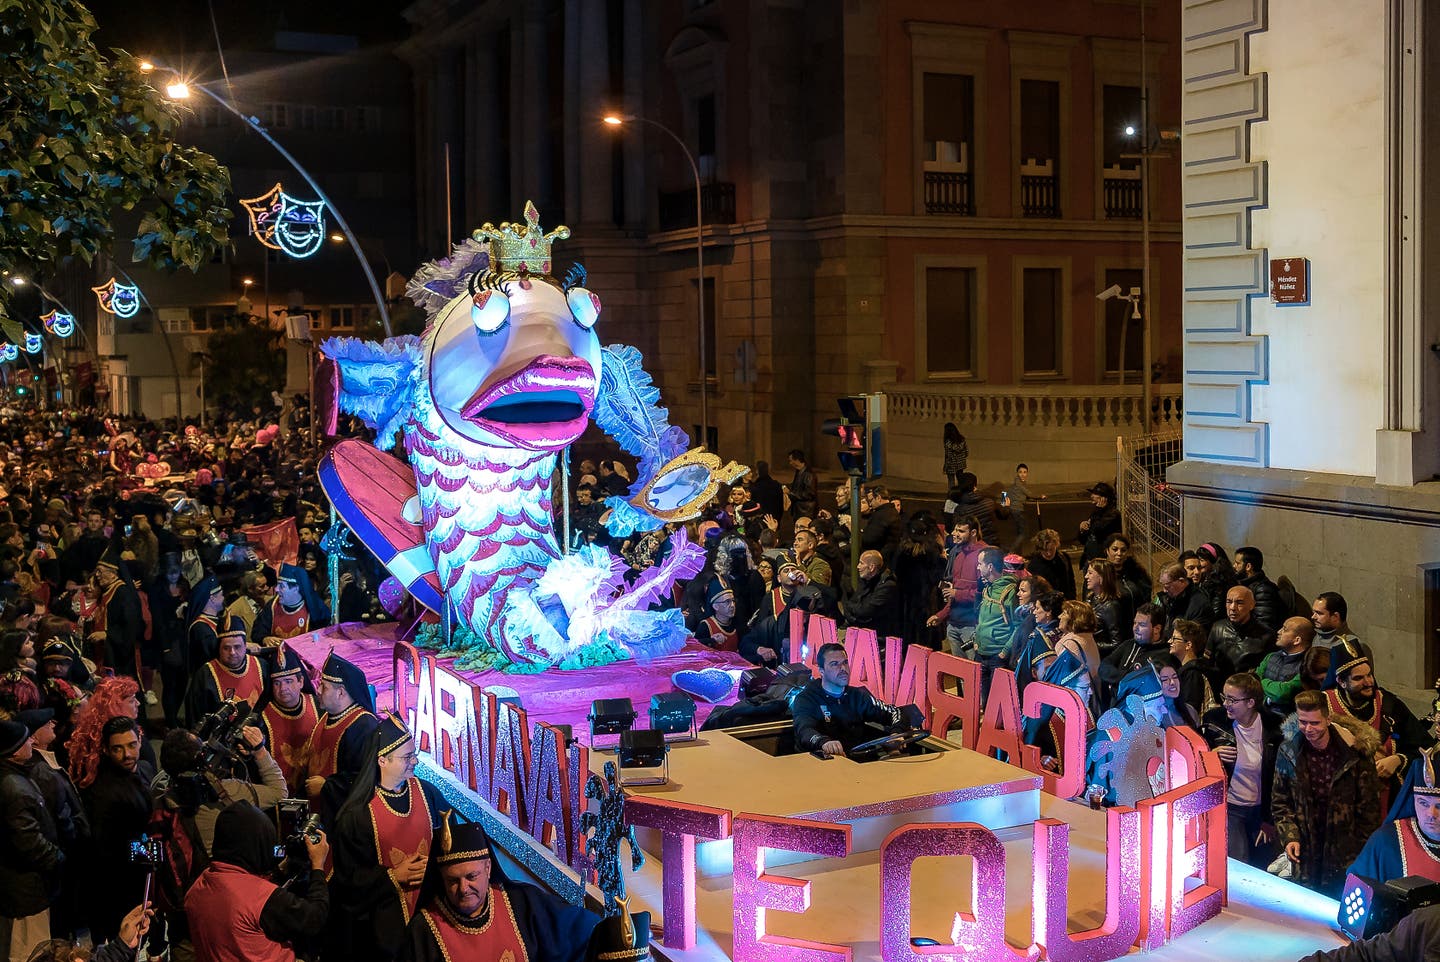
(275, 543)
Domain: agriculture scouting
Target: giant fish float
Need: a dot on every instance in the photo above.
(508, 372)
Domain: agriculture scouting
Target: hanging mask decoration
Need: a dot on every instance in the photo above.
(300, 227)
(9, 352)
(122, 300)
(284, 223)
(34, 343)
(59, 323)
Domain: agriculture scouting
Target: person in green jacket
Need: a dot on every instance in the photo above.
(1279, 670)
(995, 629)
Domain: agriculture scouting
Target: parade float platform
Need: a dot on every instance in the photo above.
(1264, 918)
(554, 697)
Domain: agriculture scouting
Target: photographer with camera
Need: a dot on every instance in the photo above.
(205, 776)
(237, 912)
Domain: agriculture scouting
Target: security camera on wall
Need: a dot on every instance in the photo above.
(1112, 291)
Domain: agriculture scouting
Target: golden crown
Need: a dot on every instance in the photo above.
(521, 248)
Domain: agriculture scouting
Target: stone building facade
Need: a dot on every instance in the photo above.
(910, 196)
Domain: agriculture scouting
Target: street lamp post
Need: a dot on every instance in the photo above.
(177, 89)
(617, 120)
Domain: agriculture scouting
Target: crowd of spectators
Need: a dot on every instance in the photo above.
(144, 605)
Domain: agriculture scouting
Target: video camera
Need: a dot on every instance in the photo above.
(295, 824)
(222, 743)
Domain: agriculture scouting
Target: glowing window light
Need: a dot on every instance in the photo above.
(34, 343)
(122, 300)
(59, 323)
(285, 223)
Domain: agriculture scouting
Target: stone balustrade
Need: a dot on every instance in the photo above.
(1064, 432)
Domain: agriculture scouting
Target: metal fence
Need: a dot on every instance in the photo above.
(1149, 509)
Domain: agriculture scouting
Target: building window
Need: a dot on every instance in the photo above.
(1121, 324)
(948, 135)
(1042, 296)
(366, 119)
(1039, 148)
(1120, 111)
(330, 118)
(276, 116)
(305, 117)
(711, 340)
(705, 136)
(950, 320)
(342, 317)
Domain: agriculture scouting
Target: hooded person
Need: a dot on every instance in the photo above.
(474, 910)
(232, 673)
(236, 913)
(382, 843)
(118, 628)
(207, 601)
(295, 610)
(335, 752)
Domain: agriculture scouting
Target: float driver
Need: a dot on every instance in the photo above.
(831, 717)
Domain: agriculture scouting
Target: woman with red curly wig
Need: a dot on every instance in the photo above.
(112, 697)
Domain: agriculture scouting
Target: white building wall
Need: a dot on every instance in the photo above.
(1323, 143)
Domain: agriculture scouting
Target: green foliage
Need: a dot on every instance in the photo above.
(246, 363)
(84, 136)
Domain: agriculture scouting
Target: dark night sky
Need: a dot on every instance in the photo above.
(181, 28)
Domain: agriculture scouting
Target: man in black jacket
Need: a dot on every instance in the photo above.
(882, 527)
(1246, 737)
(30, 855)
(1415, 939)
(118, 804)
(1250, 566)
(1240, 641)
(1179, 597)
(872, 604)
(830, 716)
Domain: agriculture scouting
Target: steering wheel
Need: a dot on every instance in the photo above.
(890, 744)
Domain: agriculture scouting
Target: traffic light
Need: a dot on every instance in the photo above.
(861, 430)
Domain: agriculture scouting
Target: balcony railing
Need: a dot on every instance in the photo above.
(948, 192)
(1048, 406)
(717, 205)
(1039, 196)
(1122, 193)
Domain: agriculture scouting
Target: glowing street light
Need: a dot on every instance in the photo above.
(146, 66)
(617, 121)
(1129, 130)
(177, 90)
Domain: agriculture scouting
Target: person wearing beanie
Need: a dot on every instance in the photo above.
(30, 853)
(1095, 531)
(382, 845)
(236, 913)
(477, 912)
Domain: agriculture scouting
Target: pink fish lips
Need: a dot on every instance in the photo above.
(543, 406)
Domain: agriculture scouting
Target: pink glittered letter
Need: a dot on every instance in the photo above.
(1113, 937)
(679, 824)
(755, 891)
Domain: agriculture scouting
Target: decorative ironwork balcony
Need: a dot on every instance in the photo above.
(1122, 195)
(717, 206)
(948, 192)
